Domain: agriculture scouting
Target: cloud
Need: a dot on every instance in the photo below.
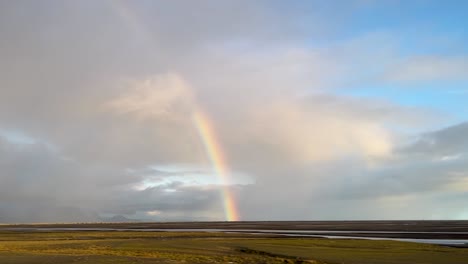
(308, 133)
(429, 68)
(97, 107)
(39, 185)
(447, 142)
(417, 180)
(158, 97)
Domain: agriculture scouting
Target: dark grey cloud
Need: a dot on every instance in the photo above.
(40, 185)
(448, 141)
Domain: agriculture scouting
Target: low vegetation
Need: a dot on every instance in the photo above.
(199, 247)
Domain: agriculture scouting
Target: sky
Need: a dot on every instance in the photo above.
(233, 110)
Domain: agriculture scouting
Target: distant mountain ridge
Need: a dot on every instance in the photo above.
(119, 219)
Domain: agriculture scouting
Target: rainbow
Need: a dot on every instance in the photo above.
(215, 154)
(200, 119)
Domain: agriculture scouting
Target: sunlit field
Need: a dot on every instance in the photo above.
(202, 247)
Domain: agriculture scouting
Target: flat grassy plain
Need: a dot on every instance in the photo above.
(203, 247)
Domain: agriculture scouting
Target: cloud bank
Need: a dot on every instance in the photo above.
(97, 100)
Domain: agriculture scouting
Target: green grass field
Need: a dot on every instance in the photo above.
(175, 247)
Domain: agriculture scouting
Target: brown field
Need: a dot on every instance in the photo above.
(19, 245)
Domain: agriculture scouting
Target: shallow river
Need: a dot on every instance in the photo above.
(303, 233)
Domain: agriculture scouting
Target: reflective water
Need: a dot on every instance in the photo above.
(303, 233)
